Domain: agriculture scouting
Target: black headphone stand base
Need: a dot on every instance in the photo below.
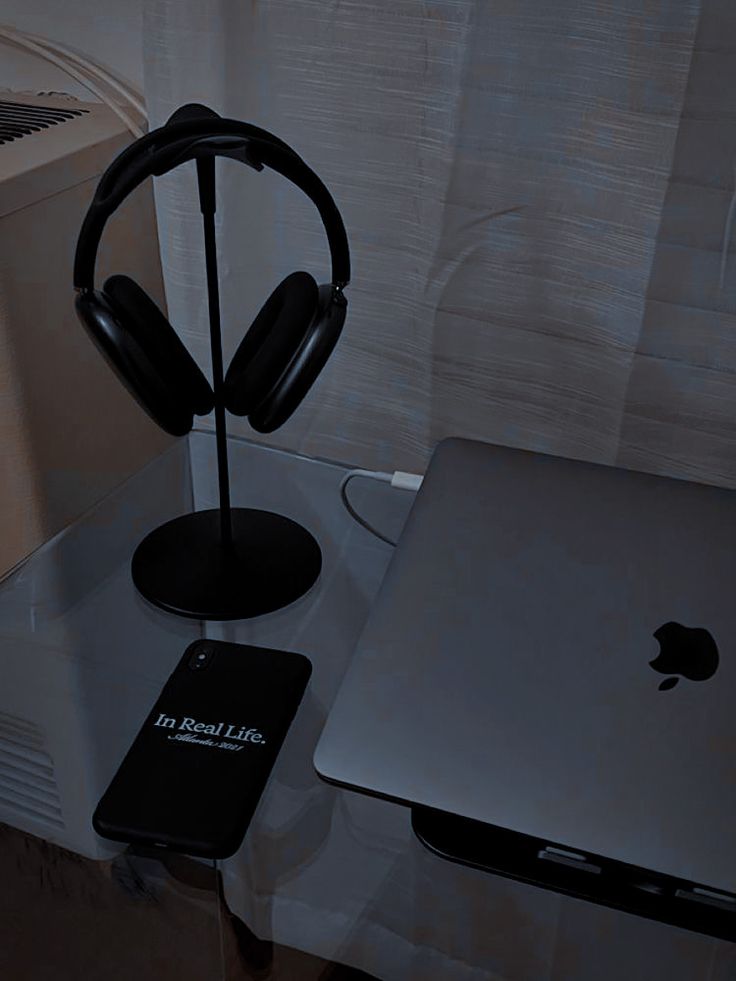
(184, 567)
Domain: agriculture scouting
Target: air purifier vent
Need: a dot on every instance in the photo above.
(18, 119)
(27, 779)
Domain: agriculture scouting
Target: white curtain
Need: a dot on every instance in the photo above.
(536, 196)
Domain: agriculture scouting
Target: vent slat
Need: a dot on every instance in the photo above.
(36, 120)
(18, 120)
(10, 121)
(28, 757)
(22, 727)
(36, 811)
(13, 735)
(10, 738)
(9, 797)
(23, 788)
(27, 780)
(18, 128)
(18, 774)
(48, 110)
(26, 117)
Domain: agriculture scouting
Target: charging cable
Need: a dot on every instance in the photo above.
(82, 70)
(398, 479)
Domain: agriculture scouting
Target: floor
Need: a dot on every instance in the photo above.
(66, 918)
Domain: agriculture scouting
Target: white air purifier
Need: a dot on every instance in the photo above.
(81, 656)
(60, 451)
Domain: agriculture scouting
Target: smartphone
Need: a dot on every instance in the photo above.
(193, 777)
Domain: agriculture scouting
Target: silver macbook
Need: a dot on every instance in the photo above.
(553, 651)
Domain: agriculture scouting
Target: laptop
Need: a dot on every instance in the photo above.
(553, 653)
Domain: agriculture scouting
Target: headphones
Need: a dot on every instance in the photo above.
(290, 340)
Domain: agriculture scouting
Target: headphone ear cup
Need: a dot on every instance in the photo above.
(143, 320)
(306, 364)
(270, 343)
(133, 349)
(130, 363)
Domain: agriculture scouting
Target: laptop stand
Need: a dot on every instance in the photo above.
(590, 877)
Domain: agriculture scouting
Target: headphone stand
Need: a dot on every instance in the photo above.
(225, 563)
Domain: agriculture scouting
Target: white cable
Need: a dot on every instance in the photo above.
(21, 41)
(123, 88)
(92, 68)
(398, 479)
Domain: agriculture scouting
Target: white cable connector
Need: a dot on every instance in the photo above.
(398, 479)
(406, 481)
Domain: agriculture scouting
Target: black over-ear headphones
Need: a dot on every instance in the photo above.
(290, 340)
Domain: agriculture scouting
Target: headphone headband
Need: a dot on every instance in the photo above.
(165, 148)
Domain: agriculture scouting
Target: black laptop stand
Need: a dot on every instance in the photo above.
(590, 877)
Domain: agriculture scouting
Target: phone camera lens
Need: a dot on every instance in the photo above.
(200, 657)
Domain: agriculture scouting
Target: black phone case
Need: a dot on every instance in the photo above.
(197, 768)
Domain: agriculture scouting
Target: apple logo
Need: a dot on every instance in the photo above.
(687, 651)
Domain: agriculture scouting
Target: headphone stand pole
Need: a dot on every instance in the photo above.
(206, 185)
(224, 563)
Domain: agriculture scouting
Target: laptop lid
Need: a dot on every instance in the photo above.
(552, 652)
